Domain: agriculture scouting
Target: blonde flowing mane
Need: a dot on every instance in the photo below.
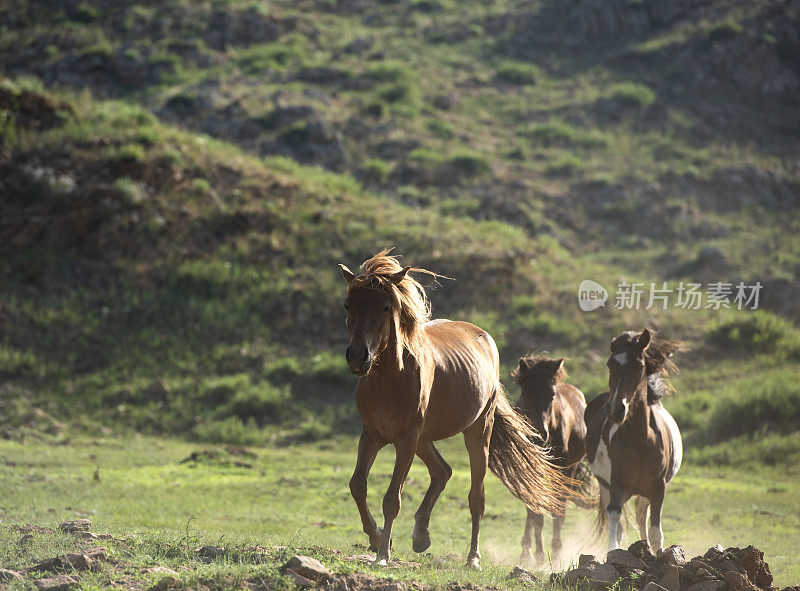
(410, 305)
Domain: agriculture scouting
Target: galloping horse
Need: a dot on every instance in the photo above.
(555, 410)
(422, 381)
(633, 444)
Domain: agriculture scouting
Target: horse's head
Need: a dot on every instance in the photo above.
(626, 372)
(371, 318)
(541, 370)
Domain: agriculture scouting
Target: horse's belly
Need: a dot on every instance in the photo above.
(673, 433)
(601, 466)
(452, 409)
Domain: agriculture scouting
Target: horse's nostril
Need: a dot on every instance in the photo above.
(366, 355)
(347, 354)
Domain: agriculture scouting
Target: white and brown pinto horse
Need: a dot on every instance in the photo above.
(633, 444)
(555, 409)
(421, 381)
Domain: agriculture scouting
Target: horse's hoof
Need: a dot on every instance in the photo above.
(525, 559)
(474, 563)
(380, 562)
(421, 543)
(375, 541)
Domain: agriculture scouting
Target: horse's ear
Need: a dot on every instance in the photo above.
(523, 365)
(644, 339)
(398, 277)
(347, 273)
(560, 364)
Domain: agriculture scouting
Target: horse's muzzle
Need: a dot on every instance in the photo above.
(359, 360)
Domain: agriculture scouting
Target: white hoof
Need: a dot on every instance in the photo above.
(380, 562)
(474, 563)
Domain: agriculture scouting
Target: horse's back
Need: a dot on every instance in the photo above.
(672, 434)
(457, 343)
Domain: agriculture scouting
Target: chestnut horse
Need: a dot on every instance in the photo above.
(555, 410)
(633, 444)
(421, 381)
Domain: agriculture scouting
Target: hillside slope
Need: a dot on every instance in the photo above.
(179, 179)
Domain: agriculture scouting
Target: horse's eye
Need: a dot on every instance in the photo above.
(386, 309)
(347, 308)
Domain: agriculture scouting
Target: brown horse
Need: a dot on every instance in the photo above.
(422, 381)
(633, 444)
(555, 410)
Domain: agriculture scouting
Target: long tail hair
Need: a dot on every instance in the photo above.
(524, 466)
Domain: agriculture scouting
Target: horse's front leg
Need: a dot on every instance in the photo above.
(618, 498)
(655, 533)
(404, 450)
(368, 447)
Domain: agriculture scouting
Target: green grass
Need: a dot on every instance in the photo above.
(298, 497)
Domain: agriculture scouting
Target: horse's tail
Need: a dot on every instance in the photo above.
(524, 466)
(588, 496)
(600, 527)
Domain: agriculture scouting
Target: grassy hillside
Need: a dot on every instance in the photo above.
(179, 179)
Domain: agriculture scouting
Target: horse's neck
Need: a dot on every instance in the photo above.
(638, 420)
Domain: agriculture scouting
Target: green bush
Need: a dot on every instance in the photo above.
(426, 156)
(771, 404)
(440, 129)
(567, 165)
(557, 133)
(390, 71)
(131, 192)
(131, 153)
(230, 430)
(272, 56)
(376, 170)
(546, 324)
(262, 403)
(201, 186)
(461, 207)
(469, 164)
(758, 332)
(519, 73)
(398, 92)
(632, 95)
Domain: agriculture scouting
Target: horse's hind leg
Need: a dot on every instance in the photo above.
(440, 472)
(641, 516)
(558, 523)
(535, 522)
(476, 438)
(368, 448)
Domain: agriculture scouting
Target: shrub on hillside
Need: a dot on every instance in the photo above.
(519, 73)
(771, 404)
(758, 332)
(632, 95)
(469, 164)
